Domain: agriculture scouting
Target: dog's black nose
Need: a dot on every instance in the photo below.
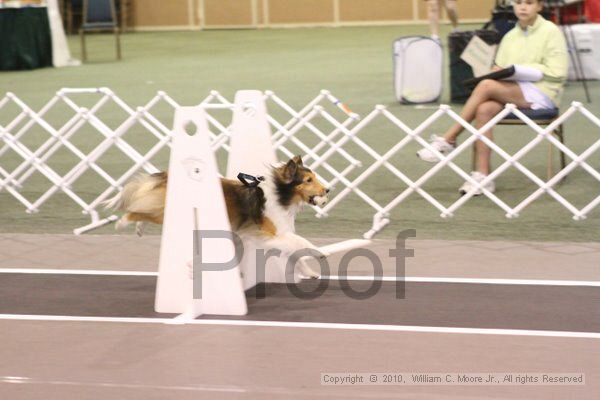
(326, 190)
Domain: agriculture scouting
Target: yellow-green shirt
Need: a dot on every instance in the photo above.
(542, 46)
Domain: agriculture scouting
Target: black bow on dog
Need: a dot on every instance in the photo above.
(250, 180)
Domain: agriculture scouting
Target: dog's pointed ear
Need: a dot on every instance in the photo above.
(298, 160)
(289, 171)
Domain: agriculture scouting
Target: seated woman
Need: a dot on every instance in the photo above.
(534, 44)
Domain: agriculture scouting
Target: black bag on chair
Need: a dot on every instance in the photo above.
(503, 18)
(460, 71)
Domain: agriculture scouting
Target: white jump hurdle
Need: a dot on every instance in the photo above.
(251, 151)
(195, 202)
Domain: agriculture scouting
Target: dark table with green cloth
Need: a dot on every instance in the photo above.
(25, 41)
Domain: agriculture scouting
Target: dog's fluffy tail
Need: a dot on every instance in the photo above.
(142, 194)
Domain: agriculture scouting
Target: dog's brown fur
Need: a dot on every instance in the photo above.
(143, 199)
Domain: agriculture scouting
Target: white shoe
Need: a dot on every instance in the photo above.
(438, 143)
(478, 177)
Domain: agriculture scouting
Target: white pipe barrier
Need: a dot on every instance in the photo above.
(323, 150)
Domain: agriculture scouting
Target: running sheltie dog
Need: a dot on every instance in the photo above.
(261, 210)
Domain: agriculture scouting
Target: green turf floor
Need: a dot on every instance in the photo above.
(353, 63)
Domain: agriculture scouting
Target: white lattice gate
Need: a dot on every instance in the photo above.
(325, 131)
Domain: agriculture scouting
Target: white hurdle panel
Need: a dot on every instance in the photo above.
(195, 202)
(252, 152)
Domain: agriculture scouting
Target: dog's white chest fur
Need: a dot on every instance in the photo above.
(285, 239)
(282, 217)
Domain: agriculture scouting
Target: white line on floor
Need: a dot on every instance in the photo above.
(416, 279)
(256, 391)
(314, 325)
(195, 388)
(74, 272)
(484, 281)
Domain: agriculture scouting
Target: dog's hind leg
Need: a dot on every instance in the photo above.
(140, 220)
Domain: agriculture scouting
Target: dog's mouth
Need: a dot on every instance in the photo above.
(317, 200)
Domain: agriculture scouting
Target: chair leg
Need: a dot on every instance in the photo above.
(83, 50)
(124, 15)
(558, 132)
(118, 42)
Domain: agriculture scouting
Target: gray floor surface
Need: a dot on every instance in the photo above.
(119, 360)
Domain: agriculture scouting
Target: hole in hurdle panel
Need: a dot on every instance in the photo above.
(190, 128)
(249, 109)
